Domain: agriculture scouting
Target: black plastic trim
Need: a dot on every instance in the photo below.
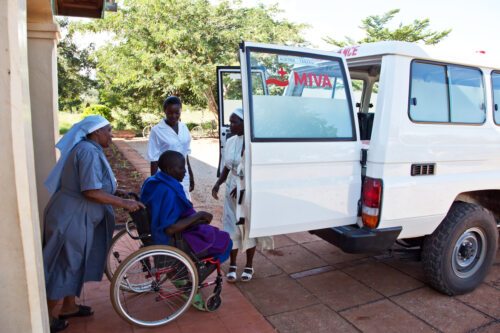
(353, 239)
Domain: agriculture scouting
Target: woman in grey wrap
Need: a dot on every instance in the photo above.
(79, 219)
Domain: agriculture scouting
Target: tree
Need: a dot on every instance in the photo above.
(163, 47)
(74, 67)
(376, 30)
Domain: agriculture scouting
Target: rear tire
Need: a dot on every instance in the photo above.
(122, 245)
(459, 253)
(162, 282)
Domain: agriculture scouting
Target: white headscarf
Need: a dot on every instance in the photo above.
(238, 112)
(76, 133)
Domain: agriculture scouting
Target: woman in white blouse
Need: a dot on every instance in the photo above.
(171, 134)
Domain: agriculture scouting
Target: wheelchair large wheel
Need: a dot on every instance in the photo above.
(122, 245)
(161, 282)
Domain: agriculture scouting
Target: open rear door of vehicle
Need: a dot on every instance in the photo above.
(229, 97)
(302, 156)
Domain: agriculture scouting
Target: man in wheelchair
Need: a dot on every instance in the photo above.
(173, 221)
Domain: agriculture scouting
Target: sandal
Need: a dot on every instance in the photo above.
(231, 275)
(247, 274)
(83, 311)
(57, 325)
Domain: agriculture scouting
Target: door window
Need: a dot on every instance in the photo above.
(231, 91)
(307, 99)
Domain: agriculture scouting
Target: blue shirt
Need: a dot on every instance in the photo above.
(165, 198)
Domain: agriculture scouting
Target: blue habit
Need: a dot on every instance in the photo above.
(167, 202)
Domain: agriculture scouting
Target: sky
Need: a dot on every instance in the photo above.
(475, 24)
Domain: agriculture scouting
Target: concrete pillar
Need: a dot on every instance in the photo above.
(42, 63)
(22, 299)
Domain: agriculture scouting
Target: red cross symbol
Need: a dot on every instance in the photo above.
(282, 72)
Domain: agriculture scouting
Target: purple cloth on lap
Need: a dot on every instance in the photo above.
(206, 239)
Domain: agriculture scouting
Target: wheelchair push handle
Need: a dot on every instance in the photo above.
(140, 221)
(129, 225)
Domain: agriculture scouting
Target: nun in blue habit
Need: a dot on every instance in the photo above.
(79, 219)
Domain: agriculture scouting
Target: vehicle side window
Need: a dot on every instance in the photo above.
(231, 91)
(466, 95)
(429, 94)
(308, 99)
(495, 82)
(446, 94)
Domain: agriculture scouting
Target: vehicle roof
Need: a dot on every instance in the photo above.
(438, 53)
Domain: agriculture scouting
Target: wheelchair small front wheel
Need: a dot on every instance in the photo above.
(160, 284)
(213, 302)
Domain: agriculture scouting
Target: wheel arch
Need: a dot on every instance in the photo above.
(488, 199)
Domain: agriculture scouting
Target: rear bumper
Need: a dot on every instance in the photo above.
(353, 239)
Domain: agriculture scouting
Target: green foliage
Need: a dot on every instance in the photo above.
(376, 30)
(119, 119)
(172, 47)
(66, 120)
(74, 67)
(190, 126)
(97, 109)
(209, 125)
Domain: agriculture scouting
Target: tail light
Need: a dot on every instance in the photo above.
(371, 202)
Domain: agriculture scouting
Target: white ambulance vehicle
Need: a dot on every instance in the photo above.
(377, 144)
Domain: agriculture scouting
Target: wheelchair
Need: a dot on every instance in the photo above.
(156, 284)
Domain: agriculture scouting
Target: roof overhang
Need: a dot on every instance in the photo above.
(79, 8)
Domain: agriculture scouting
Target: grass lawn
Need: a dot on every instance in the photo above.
(66, 120)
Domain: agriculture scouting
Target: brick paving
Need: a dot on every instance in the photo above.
(308, 285)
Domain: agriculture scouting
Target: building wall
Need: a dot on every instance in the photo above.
(22, 300)
(42, 64)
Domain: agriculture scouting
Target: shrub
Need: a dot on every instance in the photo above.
(98, 109)
(119, 118)
(209, 125)
(191, 125)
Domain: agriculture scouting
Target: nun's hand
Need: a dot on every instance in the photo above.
(132, 205)
(121, 193)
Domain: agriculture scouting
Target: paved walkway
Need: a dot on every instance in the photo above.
(308, 285)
